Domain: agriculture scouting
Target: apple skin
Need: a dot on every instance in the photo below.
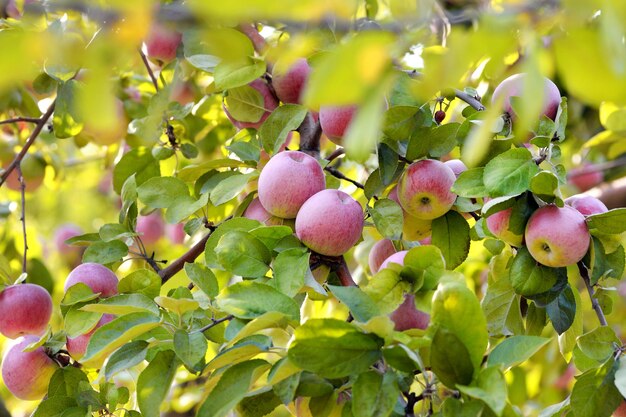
(396, 258)
(514, 87)
(498, 224)
(586, 204)
(76, 346)
(335, 121)
(621, 410)
(288, 180)
(381, 250)
(27, 374)
(557, 237)
(63, 233)
(269, 103)
(175, 233)
(412, 228)
(162, 42)
(584, 180)
(424, 189)
(330, 222)
(97, 277)
(255, 211)
(24, 309)
(289, 84)
(457, 166)
(407, 316)
(151, 228)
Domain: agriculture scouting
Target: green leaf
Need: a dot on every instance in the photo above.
(237, 73)
(429, 259)
(129, 355)
(515, 350)
(333, 348)
(529, 277)
(450, 359)
(65, 120)
(510, 173)
(190, 347)
(599, 344)
(490, 387)
(185, 207)
(451, 234)
(123, 304)
(499, 299)
(245, 104)
(162, 192)
(113, 231)
(269, 320)
(203, 278)
(387, 163)
(243, 254)
(105, 252)
(470, 183)
(248, 300)
(191, 173)
(78, 293)
(273, 133)
(603, 265)
(595, 394)
(611, 223)
(238, 223)
(141, 281)
(545, 185)
(177, 305)
(272, 236)
(562, 310)
(362, 307)
(290, 269)
(230, 187)
(54, 407)
(154, 383)
(244, 350)
(388, 218)
(78, 322)
(373, 394)
(138, 161)
(400, 121)
(258, 405)
(65, 382)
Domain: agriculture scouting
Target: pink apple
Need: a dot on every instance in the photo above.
(457, 166)
(76, 346)
(556, 236)
(330, 222)
(381, 250)
(287, 181)
(586, 204)
(269, 104)
(97, 277)
(621, 410)
(412, 228)
(255, 211)
(27, 374)
(63, 233)
(335, 121)
(175, 233)
(162, 42)
(498, 224)
(514, 87)
(407, 316)
(182, 93)
(290, 83)
(151, 228)
(585, 180)
(424, 189)
(24, 309)
(264, 157)
(396, 258)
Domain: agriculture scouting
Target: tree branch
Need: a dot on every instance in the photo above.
(584, 273)
(213, 324)
(335, 154)
(310, 134)
(613, 193)
(20, 119)
(343, 273)
(150, 73)
(469, 100)
(338, 174)
(23, 216)
(188, 256)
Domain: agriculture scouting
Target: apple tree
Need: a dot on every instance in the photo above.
(313, 208)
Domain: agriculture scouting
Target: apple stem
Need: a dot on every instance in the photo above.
(584, 273)
(338, 174)
(20, 177)
(150, 73)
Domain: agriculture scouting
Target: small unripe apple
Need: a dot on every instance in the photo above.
(498, 224)
(586, 204)
(175, 233)
(330, 222)
(162, 42)
(424, 189)
(412, 228)
(396, 258)
(269, 104)
(556, 236)
(514, 87)
(381, 250)
(97, 277)
(150, 228)
(407, 316)
(256, 211)
(290, 82)
(27, 374)
(335, 121)
(457, 166)
(33, 167)
(24, 309)
(76, 346)
(585, 180)
(287, 181)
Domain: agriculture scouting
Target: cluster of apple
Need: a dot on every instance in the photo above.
(25, 311)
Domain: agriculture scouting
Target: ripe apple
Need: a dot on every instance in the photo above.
(290, 82)
(457, 166)
(70, 253)
(556, 236)
(97, 277)
(182, 93)
(175, 233)
(335, 121)
(407, 316)
(27, 374)
(256, 211)
(585, 180)
(108, 135)
(498, 224)
(76, 346)
(151, 228)
(396, 258)
(287, 181)
(514, 87)
(24, 309)
(33, 168)
(330, 222)
(621, 410)
(162, 42)
(586, 204)
(269, 104)
(381, 250)
(412, 228)
(424, 189)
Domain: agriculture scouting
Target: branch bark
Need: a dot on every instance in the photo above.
(23, 216)
(584, 273)
(20, 119)
(189, 256)
(310, 134)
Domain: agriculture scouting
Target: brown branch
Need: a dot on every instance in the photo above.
(597, 167)
(338, 174)
(335, 154)
(584, 273)
(258, 41)
(150, 73)
(310, 135)
(188, 256)
(20, 119)
(612, 194)
(213, 324)
(31, 139)
(23, 216)
(469, 100)
(344, 275)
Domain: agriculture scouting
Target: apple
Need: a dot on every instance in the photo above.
(76, 346)
(424, 189)
(12, 10)
(381, 250)
(97, 277)
(256, 211)
(269, 104)
(264, 157)
(585, 180)
(514, 87)
(330, 222)
(290, 82)
(407, 316)
(27, 374)
(412, 228)
(182, 93)
(556, 236)
(33, 167)
(175, 233)
(586, 204)
(396, 258)
(108, 135)
(287, 181)
(457, 166)
(498, 224)
(426, 241)
(335, 121)
(151, 228)
(24, 309)
(621, 410)
(63, 233)
(162, 43)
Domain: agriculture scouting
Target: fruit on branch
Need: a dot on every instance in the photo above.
(182, 93)
(556, 236)
(269, 104)
(27, 374)
(381, 250)
(111, 134)
(587, 205)
(24, 309)
(407, 316)
(583, 179)
(396, 258)
(64, 232)
(76, 346)
(335, 121)
(621, 410)
(514, 87)
(424, 189)
(33, 168)
(288, 180)
(330, 222)
(150, 228)
(457, 166)
(412, 228)
(256, 211)
(439, 116)
(289, 83)
(264, 157)
(175, 233)
(498, 224)
(97, 277)
(162, 42)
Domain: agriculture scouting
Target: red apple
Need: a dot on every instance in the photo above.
(457, 166)
(63, 233)
(381, 250)
(407, 316)
(162, 42)
(412, 228)
(330, 222)
(556, 236)
(76, 346)
(175, 233)
(255, 211)
(290, 82)
(396, 258)
(621, 410)
(514, 87)
(335, 121)
(269, 104)
(24, 309)
(97, 277)
(583, 179)
(586, 204)
(151, 228)
(498, 224)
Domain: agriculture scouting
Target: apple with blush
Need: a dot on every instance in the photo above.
(407, 316)
(621, 410)
(457, 166)
(289, 83)
(514, 86)
(584, 179)
(175, 233)
(381, 250)
(24, 309)
(587, 205)
(498, 224)
(33, 167)
(150, 228)
(97, 277)
(63, 233)
(162, 43)
(77, 346)
(335, 121)
(108, 135)
(396, 258)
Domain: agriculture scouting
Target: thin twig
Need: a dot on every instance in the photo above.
(150, 73)
(213, 324)
(344, 275)
(335, 154)
(469, 100)
(310, 135)
(188, 256)
(338, 174)
(20, 119)
(584, 273)
(23, 217)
